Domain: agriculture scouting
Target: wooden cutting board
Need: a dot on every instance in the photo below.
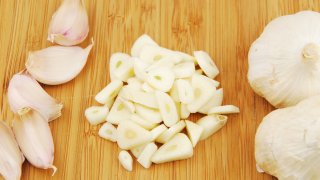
(224, 28)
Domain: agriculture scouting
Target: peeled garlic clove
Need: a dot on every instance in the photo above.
(131, 135)
(211, 124)
(178, 148)
(184, 70)
(25, 92)
(215, 101)
(96, 114)
(118, 112)
(143, 40)
(194, 132)
(11, 158)
(125, 160)
(57, 64)
(109, 92)
(161, 78)
(121, 67)
(206, 64)
(168, 109)
(226, 109)
(284, 60)
(157, 131)
(203, 89)
(146, 155)
(185, 91)
(136, 151)
(142, 122)
(172, 131)
(34, 137)
(108, 132)
(69, 24)
(152, 115)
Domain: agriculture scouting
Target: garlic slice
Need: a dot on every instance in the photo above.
(34, 137)
(125, 160)
(25, 92)
(168, 109)
(143, 98)
(57, 64)
(161, 79)
(194, 132)
(146, 155)
(157, 131)
(185, 91)
(143, 40)
(11, 158)
(287, 141)
(184, 70)
(118, 112)
(178, 148)
(139, 69)
(148, 125)
(96, 114)
(211, 124)
(150, 54)
(173, 130)
(226, 109)
(216, 100)
(206, 64)
(131, 135)
(152, 115)
(136, 151)
(147, 88)
(121, 67)
(203, 89)
(69, 24)
(108, 132)
(109, 92)
(184, 112)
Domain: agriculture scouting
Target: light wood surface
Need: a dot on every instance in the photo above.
(224, 28)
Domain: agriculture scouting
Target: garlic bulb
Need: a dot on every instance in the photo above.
(57, 64)
(69, 24)
(25, 92)
(34, 137)
(284, 62)
(287, 143)
(11, 158)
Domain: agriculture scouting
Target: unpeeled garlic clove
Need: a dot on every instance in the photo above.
(57, 64)
(11, 158)
(34, 137)
(69, 24)
(25, 92)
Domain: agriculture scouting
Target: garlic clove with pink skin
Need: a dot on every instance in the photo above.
(26, 92)
(57, 64)
(34, 137)
(11, 158)
(69, 24)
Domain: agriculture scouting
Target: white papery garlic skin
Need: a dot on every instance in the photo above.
(69, 24)
(284, 62)
(11, 158)
(26, 92)
(287, 143)
(57, 64)
(34, 137)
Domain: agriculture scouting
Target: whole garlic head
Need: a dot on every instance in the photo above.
(284, 62)
(287, 143)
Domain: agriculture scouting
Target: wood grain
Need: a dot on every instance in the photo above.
(224, 28)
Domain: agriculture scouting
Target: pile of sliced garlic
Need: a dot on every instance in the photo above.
(150, 97)
(32, 106)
